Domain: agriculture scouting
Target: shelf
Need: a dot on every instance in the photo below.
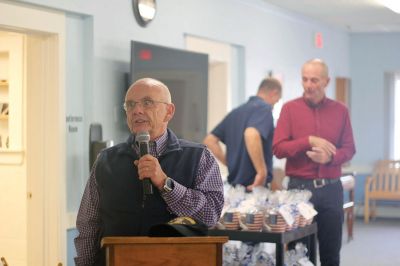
(270, 237)
(280, 239)
(3, 83)
(8, 156)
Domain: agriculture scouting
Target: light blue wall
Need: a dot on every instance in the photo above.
(98, 55)
(371, 55)
(79, 104)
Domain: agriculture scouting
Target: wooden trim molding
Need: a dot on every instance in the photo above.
(11, 157)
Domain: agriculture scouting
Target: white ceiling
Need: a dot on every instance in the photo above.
(351, 15)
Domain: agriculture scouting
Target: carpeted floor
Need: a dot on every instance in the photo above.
(374, 244)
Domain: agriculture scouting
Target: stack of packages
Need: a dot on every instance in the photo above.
(237, 253)
(263, 211)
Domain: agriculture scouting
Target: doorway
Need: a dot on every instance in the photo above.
(226, 79)
(37, 213)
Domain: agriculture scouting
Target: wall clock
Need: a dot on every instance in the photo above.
(144, 11)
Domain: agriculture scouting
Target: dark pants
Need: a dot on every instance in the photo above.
(328, 202)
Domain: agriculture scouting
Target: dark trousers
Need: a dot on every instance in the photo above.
(328, 202)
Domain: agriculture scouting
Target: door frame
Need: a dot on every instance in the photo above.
(44, 127)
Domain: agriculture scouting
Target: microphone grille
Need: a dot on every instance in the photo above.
(143, 136)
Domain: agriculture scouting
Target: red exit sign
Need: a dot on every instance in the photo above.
(318, 40)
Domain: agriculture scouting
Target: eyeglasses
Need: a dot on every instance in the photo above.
(146, 103)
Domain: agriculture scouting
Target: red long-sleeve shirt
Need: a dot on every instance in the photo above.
(298, 120)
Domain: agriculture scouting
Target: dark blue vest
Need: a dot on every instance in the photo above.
(122, 209)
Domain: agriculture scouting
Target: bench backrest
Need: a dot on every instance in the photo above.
(386, 176)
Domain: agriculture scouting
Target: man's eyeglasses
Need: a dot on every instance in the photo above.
(145, 103)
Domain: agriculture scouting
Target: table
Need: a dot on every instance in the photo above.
(280, 239)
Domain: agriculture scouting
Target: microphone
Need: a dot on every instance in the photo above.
(143, 139)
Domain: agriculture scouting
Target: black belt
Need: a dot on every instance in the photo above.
(316, 183)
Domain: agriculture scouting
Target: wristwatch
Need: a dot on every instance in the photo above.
(169, 185)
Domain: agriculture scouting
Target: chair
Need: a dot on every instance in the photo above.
(383, 184)
(348, 183)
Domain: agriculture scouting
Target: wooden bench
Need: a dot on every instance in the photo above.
(383, 184)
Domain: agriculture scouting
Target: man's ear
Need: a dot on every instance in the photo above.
(328, 79)
(170, 112)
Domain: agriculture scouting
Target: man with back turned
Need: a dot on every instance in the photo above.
(185, 177)
(247, 133)
(314, 133)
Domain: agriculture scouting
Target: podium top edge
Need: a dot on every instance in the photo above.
(127, 240)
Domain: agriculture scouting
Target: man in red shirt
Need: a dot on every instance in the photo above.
(314, 134)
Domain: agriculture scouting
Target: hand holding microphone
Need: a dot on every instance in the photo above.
(143, 139)
(149, 169)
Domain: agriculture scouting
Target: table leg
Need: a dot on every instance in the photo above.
(313, 248)
(279, 254)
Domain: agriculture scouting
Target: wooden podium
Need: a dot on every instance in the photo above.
(130, 251)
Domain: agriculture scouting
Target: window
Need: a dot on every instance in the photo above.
(396, 126)
(392, 116)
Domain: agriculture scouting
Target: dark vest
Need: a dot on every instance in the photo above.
(123, 211)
